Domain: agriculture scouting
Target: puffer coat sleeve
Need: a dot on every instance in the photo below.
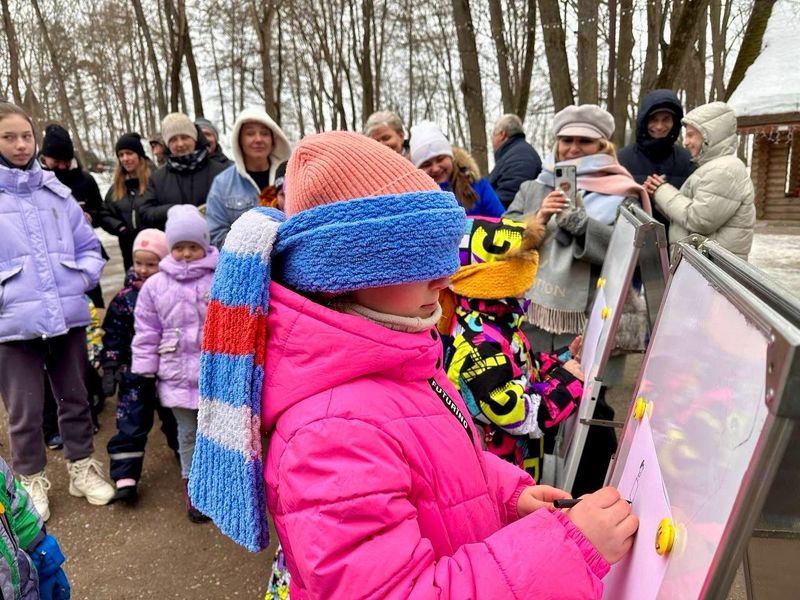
(716, 197)
(148, 331)
(366, 541)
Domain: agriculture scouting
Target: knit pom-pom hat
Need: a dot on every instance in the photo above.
(360, 216)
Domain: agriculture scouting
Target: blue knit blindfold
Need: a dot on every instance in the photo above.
(370, 242)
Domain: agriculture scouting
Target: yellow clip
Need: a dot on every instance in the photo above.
(600, 282)
(604, 312)
(2, 508)
(665, 536)
(639, 408)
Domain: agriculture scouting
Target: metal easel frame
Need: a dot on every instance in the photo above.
(649, 254)
(777, 315)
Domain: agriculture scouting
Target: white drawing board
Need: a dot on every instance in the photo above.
(642, 483)
(704, 378)
(601, 327)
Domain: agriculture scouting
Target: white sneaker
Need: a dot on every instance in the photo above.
(37, 485)
(86, 481)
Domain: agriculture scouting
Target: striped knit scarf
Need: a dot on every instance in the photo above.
(386, 240)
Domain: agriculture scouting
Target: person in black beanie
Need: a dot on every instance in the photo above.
(117, 215)
(58, 155)
(658, 125)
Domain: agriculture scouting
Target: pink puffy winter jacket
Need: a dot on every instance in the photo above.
(375, 487)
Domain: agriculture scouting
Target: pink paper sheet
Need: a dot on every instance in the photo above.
(638, 576)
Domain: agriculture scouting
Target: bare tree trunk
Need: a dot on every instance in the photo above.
(151, 55)
(612, 53)
(60, 84)
(220, 91)
(501, 49)
(655, 17)
(410, 66)
(515, 78)
(683, 38)
(696, 84)
(471, 82)
(263, 22)
(556, 51)
(587, 51)
(524, 81)
(751, 43)
(13, 53)
(367, 80)
(623, 84)
(175, 26)
(719, 27)
(197, 96)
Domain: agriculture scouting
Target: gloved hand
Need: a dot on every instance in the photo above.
(573, 219)
(47, 558)
(109, 381)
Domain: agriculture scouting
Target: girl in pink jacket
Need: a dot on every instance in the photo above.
(168, 319)
(321, 336)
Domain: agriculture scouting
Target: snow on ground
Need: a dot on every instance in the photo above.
(778, 255)
(772, 83)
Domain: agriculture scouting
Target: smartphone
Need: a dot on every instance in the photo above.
(566, 181)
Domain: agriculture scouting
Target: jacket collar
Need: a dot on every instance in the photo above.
(185, 271)
(506, 146)
(17, 181)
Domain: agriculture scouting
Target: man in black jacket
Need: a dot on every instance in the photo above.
(515, 159)
(185, 178)
(655, 151)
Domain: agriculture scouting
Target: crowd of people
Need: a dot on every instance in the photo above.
(403, 329)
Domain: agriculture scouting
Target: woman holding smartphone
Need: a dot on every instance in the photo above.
(578, 231)
(579, 225)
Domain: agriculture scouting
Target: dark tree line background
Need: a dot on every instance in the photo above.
(102, 67)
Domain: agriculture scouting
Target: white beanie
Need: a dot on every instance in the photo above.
(428, 141)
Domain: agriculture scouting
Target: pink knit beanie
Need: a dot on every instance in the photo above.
(151, 240)
(341, 165)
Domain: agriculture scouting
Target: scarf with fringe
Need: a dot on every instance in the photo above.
(562, 291)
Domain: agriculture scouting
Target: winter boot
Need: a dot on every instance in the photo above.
(126, 491)
(86, 481)
(37, 485)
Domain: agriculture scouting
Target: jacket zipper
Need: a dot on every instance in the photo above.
(58, 227)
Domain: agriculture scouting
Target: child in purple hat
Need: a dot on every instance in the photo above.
(169, 318)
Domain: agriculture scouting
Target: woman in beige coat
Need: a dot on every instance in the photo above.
(717, 199)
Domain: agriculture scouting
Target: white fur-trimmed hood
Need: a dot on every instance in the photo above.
(281, 148)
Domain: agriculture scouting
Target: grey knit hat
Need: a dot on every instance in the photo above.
(586, 120)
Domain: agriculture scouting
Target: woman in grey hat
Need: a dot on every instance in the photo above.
(572, 255)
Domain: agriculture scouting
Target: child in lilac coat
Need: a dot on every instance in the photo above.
(49, 257)
(169, 317)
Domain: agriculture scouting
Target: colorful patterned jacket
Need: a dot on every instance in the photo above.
(512, 393)
(118, 324)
